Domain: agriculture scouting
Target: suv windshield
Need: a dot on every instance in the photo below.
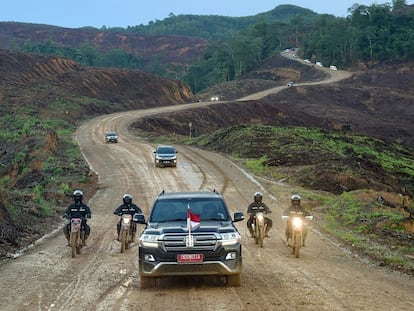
(176, 209)
(165, 150)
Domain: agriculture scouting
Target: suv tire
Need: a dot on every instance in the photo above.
(234, 280)
(147, 282)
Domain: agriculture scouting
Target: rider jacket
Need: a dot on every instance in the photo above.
(252, 209)
(295, 209)
(130, 209)
(80, 210)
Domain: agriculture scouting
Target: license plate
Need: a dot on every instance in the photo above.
(189, 258)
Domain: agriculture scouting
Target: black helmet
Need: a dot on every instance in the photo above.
(295, 199)
(127, 198)
(258, 197)
(78, 196)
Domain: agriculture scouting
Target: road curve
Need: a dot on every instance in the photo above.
(325, 277)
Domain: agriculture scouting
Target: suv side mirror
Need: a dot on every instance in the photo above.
(238, 216)
(139, 218)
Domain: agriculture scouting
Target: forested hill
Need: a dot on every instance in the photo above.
(176, 47)
(216, 27)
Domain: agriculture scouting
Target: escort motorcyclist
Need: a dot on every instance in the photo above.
(78, 209)
(127, 207)
(294, 209)
(252, 209)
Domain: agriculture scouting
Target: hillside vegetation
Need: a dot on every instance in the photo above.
(43, 100)
(207, 50)
(348, 146)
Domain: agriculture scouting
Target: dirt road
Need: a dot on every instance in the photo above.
(325, 277)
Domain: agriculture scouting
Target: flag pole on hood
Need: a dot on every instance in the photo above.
(193, 222)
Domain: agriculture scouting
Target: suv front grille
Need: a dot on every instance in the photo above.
(177, 242)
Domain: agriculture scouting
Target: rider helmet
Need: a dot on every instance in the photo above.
(258, 197)
(295, 199)
(78, 196)
(127, 198)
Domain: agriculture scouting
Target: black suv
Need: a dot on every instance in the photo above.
(165, 155)
(169, 246)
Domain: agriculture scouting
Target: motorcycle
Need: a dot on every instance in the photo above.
(76, 239)
(296, 232)
(259, 227)
(127, 232)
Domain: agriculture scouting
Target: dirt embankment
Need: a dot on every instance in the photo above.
(40, 97)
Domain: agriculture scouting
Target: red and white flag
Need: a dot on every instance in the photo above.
(193, 220)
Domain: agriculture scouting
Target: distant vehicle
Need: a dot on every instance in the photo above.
(319, 64)
(165, 155)
(307, 61)
(291, 83)
(294, 56)
(332, 67)
(214, 98)
(111, 137)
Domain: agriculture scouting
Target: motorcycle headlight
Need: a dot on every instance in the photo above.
(148, 240)
(297, 222)
(230, 238)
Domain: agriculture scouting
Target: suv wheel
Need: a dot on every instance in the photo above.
(147, 282)
(234, 280)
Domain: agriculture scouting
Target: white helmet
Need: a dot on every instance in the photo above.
(258, 196)
(78, 196)
(295, 197)
(127, 198)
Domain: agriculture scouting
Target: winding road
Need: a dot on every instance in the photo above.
(325, 277)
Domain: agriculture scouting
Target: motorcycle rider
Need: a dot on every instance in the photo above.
(292, 210)
(127, 208)
(252, 209)
(78, 209)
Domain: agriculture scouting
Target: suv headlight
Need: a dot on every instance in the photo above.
(148, 240)
(230, 238)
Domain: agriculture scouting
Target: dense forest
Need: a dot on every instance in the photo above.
(369, 34)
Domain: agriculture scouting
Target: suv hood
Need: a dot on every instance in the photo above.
(181, 227)
(166, 155)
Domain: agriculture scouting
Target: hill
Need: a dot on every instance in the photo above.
(366, 120)
(43, 100)
(160, 52)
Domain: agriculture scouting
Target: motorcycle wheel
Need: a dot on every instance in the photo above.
(261, 236)
(73, 244)
(78, 243)
(256, 235)
(127, 240)
(123, 240)
(297, 244)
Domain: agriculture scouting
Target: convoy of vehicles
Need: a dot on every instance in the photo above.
(169, 245)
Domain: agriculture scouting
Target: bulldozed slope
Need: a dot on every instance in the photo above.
(33, 78)
(39, 98)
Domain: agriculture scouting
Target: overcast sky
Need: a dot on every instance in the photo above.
(123, 13)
